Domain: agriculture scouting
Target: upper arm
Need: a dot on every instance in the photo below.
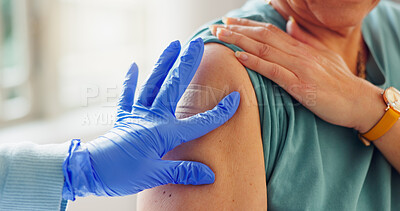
(233, 151)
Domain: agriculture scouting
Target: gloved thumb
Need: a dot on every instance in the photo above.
(189, 173)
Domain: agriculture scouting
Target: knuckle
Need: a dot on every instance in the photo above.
(257, 64)
(239, 40)
(245, 21)
(271, 27)
(306, 53)
(242, 21)
(301, 63)
(318, 59)
(268, 25)
(264, 51)
(296, 43)
(262, 31)
(275, 71)
(307, 65)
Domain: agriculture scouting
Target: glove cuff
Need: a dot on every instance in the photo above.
(78, 173)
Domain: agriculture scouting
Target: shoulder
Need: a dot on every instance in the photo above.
(392, 6)
(220, 68)
(219, 74)
(381, 31)
(385, 16)
(233, 151)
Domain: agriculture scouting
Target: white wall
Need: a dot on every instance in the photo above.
(99, 39)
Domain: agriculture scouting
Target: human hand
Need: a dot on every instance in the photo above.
(127, 159)
(313, 74)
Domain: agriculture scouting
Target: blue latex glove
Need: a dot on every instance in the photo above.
(127, 159)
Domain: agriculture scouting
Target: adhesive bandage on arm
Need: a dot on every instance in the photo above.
(197, 99)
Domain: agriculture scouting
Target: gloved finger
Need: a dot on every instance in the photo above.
(188, 173)
(167, 59)
(179, 78)
(200, 124)
(128, 90)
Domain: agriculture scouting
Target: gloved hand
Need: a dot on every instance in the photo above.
(127, 159)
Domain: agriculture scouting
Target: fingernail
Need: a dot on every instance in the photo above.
(212, 29)
(195, 42)
(207, 178)
(224, 20)
(241, 56)
(175, 44)
(200, 40)
(204, 176)
(236, 95)
(233, 97)
(133, 67)
(291, 19)
(223, 32)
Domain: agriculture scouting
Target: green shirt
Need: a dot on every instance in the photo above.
(311, 164)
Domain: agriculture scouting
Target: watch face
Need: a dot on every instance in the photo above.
(392, 96)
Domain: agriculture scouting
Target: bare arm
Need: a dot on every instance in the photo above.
(233, 151)
(388, 144)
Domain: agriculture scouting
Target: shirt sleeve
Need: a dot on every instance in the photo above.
(31, 176)
(275, 105)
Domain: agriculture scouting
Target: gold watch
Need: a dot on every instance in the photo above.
(391, 96)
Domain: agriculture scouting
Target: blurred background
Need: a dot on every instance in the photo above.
(62, 63)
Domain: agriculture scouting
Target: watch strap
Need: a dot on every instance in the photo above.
(385, 123)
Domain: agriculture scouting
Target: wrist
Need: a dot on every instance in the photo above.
(78, 173)
(373, 109)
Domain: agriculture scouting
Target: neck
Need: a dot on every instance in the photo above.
(346, 42)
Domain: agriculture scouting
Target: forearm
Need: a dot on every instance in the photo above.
(31, 176)
(388, 144)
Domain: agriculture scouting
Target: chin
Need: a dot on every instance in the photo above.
(343, 18)
(349, 13)
(341, 22)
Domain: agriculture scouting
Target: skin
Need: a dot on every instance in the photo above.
(323, 38)
(336, 24)
(321, 54)
(233, 151)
